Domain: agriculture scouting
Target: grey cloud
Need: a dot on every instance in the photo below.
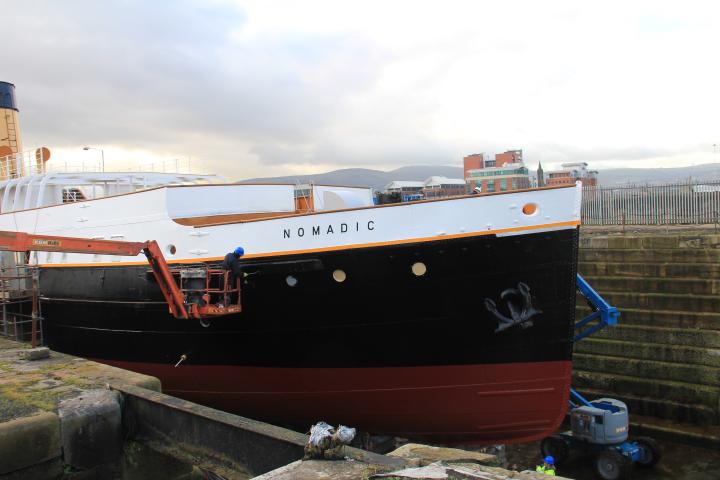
(564, 153)
(167, 75)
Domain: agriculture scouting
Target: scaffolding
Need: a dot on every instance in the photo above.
(21, 315)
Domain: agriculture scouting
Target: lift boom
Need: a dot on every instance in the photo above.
(174, 294)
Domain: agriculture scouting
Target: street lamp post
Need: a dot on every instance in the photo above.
(102, 155)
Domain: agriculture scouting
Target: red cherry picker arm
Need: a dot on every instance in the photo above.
(22, 242)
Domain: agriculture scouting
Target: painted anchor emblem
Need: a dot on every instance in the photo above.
(519, 303)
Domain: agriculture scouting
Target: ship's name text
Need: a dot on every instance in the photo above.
(317, 230)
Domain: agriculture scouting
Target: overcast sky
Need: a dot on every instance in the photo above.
(262, 88)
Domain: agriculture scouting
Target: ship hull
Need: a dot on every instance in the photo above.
(385, 350)
(471, 404)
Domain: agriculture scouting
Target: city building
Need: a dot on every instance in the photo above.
(570, 173)
(433, 187)
(508, 177)
(474, 161)
(407, 190)
(511, 156)
(540, 176)
(504, 173)
(439, 187)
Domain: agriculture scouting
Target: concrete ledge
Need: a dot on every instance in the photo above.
(647, 350)
(648, 369)
(231, 445)
(684, 337)
(50, 470)
(649, 284)
(658, 255)
(645, 269)
(91, 429)
(700, 436)
(612, 385)
(664, 301)
(28, 441)
(663, 318)
(709, 240)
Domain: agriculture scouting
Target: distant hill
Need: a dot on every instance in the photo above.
(377, 179)
(365, 177)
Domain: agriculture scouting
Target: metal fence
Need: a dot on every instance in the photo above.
(690, 202)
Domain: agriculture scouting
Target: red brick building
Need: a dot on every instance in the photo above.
(571, 173)
(506, 172)
(473, 162)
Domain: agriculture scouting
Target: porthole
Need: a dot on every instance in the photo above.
(171, 249)
(530, 209)
(419, 269)
(291, 281)
(339, 275)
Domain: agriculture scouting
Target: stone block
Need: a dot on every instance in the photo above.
(29, 441)
(699, 241)
(626, 242)
(91, 429)
(38, 353)
(664, 241)
(428, 454)
(593, 242)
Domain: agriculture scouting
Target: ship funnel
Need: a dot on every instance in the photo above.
(10, 143)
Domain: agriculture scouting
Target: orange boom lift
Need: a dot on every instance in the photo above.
(197, 292)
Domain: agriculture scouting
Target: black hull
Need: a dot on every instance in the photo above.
(382, 315)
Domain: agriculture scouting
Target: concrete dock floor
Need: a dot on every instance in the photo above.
(33, 445)
(29, 387)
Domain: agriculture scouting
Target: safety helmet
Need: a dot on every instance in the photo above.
(549, 460)
(239, 251)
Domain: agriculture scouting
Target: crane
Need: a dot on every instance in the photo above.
(190, 296)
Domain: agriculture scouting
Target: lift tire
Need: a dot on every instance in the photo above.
(650, 452)
(556, 447)
(611, 465)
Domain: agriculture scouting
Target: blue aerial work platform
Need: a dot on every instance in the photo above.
(600, 426)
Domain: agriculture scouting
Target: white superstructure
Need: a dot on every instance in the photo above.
(194, 220)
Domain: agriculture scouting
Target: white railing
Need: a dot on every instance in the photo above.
(161, 166)
(691, 202)
(32, 162)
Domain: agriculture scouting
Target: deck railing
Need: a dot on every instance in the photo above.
(35, 161)
(683, 203)
(30, 162)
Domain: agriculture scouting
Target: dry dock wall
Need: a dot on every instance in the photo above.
(663, 358)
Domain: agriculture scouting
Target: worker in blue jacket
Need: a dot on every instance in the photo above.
(548, 466)
(231, 263)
